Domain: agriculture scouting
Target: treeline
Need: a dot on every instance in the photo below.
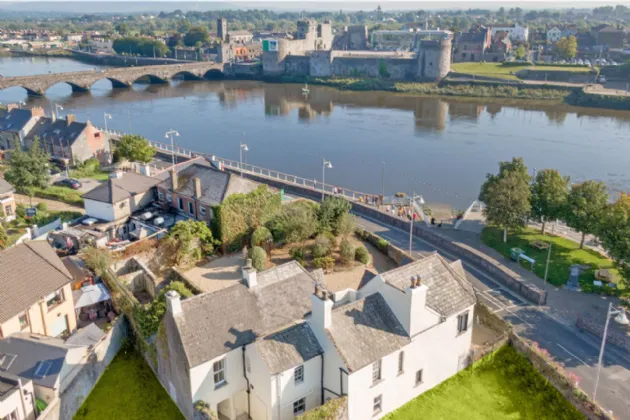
(140, 46)
(512, 197)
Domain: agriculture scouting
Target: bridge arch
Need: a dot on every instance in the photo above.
(214, 74)
(117, 83)
(185, 75)
(153, 79)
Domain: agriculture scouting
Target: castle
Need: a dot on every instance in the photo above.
(311, 53)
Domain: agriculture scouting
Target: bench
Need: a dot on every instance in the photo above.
(540, 245)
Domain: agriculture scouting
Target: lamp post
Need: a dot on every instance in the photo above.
(549, 253)
(382, 183)
(57, 108)
(106, 117)
(243, 147)
(411, 201)
(169, 134)
(22, 103)
(325, 164)
(620, 319)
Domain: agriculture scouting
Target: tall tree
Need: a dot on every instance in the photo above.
(567, 47)
(122, 28)
(586, 206)
(614, 233)
(135, 148)
(549, 196)
(196, 35)
(28, 169)
(515, 166)
(507, 202)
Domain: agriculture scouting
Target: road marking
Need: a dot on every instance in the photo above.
(582, 361)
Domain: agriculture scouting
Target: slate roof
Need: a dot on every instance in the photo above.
(118, 189)
(239, 33)
(216, 323)
(28, 272)
(471, 37)
(5, 187)
(216, 185)
(23, 354)
(288, 348)
(449, 291)
(15, 120)
(58, 132)
(366, 330)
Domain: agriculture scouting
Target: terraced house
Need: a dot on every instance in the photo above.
(278, 344)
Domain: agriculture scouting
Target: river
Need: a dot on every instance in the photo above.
(441, 148)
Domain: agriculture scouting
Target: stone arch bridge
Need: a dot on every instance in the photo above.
(121, 77)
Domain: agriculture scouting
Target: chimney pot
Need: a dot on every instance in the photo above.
(324, 295)
(70, 118)
(418, 280)
(413, 282)
(248, 262)
(317, 290)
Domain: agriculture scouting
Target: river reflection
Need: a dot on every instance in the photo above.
(439, 147)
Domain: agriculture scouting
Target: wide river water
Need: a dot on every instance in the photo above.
(439, 147)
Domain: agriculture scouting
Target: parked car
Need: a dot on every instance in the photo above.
(601, 79)
(587, 62)
(75, 184)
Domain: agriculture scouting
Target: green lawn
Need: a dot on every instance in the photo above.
(503, 386)
(564, 253)
(507, 72)
(128, 390)
(99, 175)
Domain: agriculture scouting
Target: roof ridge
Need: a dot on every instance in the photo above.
(45, 259)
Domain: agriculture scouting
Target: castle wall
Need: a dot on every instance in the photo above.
(297, 65)
(396, 68)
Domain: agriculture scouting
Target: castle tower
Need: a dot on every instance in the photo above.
(434, 59)
(222, 29)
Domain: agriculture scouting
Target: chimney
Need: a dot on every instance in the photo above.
(173, 179)
(11, 107)
(321, 309)
(197, 183)
(145, 169)
(249, 274)
(37, 111)
(173, 303)
(416, 297)
(70, 118)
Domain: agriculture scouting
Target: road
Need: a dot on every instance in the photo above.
(577, 351)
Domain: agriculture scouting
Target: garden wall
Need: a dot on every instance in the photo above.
(333, 409)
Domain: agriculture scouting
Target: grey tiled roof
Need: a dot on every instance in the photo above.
(449, 292)
(28, 272)
(5, 187)
(215, 323)
(115, 190)
(288, 348)
(366, 330)
(58, 132)
(15, 120)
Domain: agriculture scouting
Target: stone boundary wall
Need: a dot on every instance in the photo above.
(123, 61)
(587, 322)
(507, 277)
(333, 409)
(174, 274)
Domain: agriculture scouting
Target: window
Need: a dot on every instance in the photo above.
(419, 377)
(462, 322)
(54, 299)
(23, 321)
(169, 198)
(202, 210)
(180, 203)
(42, 369)
(376, 371)
(299, 406)
(160, 196)
(298, 374)
(191, 208)
(377, 406)
(219, 372)
(401, 362)
(8, 210)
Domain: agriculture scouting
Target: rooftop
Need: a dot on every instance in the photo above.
(29, 271)
(15, 120)
(288, 348)
(59, 132)
(5, 187)
(118, 189)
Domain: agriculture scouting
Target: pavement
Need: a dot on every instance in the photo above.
(552, 326)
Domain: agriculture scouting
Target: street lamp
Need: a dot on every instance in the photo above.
(382, 181)
(21, 103)
(169, 134)
(549, 253)
(243, 147)
(57, 108)
(325, 164)
(106, 116)
(411, 201)
(620, 319)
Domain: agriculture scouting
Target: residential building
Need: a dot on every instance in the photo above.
(554, 34)
(499, 48)
(101, 45)
(472, 45)
(74, 38)
(36, 294)
(16, 123)
(609, 36)
(269, 348)
(17, 398)
(69, 140)
(515, 32)
(192, 188)
(7, 201)
(239, 36)
(116, 199)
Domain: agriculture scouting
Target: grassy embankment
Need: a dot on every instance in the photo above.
(508, 72)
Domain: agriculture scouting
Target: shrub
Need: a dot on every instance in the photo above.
(188, 242)
(331, 213)
(362, 255)
(261, 237)
(347, 252)
(382, 245)
(322, 246)
(259, 258)
(295, 222)
(148, 317)
(298, 254)
(43, 207)
(324, 262)
(97, 260)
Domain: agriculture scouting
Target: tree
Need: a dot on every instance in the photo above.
(382, 69)
(188, 242)
(262, 237)
(549, 196)
(135, 148)
(28, 169)
(521, 52)
(586, 206)
(175, 40)
(196, 35)
(122, 28)
(614, 234)
(331, 213)
(515, 166)
(295, 223)
(259, 258)
(4, 238)
(507, 202)
(567, 47)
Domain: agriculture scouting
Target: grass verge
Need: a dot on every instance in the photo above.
(501, 71)
(501, 386)
(67, 195)
(128, 390)
(98, 175)
(564, 253)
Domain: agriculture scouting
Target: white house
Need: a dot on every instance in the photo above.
(554, 34)
(515, 32)
(271, 349)
(16, 397)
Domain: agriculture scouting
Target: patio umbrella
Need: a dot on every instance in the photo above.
(91, 295)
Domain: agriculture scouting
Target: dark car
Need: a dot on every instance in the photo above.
(75, 184)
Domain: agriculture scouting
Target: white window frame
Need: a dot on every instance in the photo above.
(299, 406)
(298, 374)
(26, 324)
(377, 405)
(218, 373)
(462, 323)
(376, 371)
(401, 362)
(202, 210)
